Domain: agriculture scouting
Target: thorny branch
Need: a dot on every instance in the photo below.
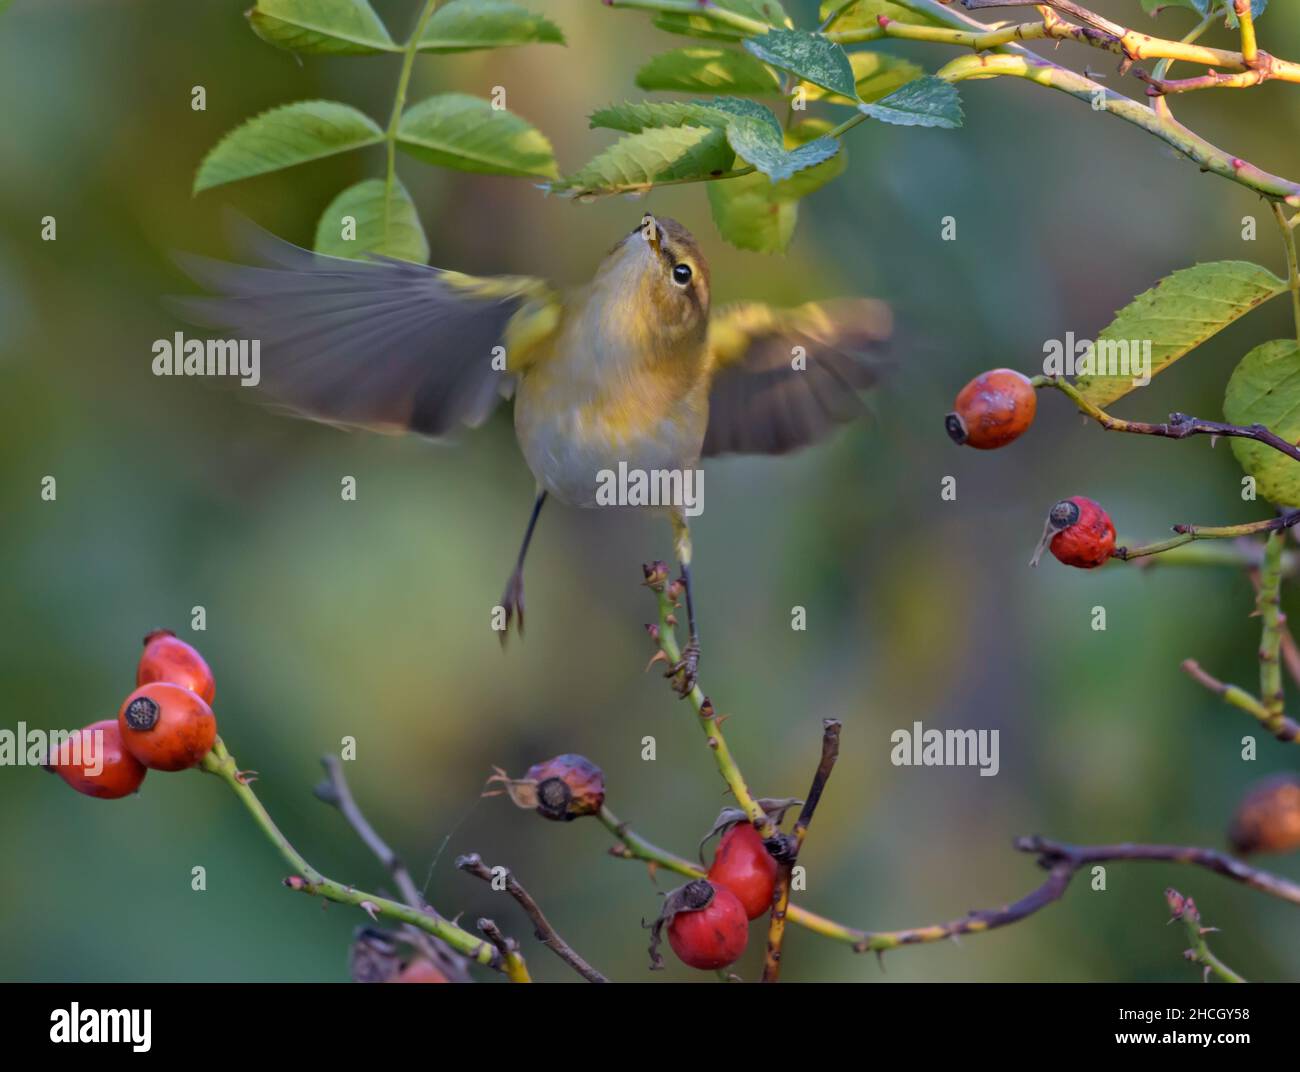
(336, 792)
(306, 879)
(1185, 911)
(1061, 860)
(1179, 425)
(789, 855)
(473, 864)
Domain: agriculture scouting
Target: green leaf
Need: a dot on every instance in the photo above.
(284, 136)
(809, 56)
(383, 221)
(814, 178)
(755, 142)
(753, 213)
(925, 102)
(717, 112)
(467, 25)
(1265, 389)
(1177, 315)
(862, 15)
(701, 69)
(339, 26)
(876, 75)
(661, 154)
(749, 217)
(467, 133)
(769, 11)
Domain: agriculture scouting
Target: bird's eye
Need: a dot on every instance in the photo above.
(681, 274)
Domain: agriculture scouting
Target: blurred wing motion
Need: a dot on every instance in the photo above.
(381, 343)
(783, 378)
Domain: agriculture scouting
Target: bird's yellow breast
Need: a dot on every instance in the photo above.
(582, 412)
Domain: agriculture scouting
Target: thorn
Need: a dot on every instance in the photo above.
(658, 657)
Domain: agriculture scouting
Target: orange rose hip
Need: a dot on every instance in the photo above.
(95, 762)
(992, 410)
(167, 657)
(167, 727)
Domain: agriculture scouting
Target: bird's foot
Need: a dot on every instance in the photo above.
(512, 602)
(687, 667)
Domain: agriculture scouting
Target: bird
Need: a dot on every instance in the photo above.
(633, 370)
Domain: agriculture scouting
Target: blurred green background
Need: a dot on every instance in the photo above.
(370, 619)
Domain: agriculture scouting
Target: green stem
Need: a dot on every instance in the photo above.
(1191, 533)
(710, 725)
(1270, 645)
(1284, 729)
(399, 103)
(1160, 72)
(834, 16)
(1292, 260)
(1246, 22)
(1242, 554)
(221, 763)
(1199, 953)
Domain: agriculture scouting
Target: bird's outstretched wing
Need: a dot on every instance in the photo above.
(783, 378)
(381, 343)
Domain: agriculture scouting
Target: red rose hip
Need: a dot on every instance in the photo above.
(167, 727)
(992, 410)
(746, 868)
(1079, 533)
(706, 923)
(168, 658)
(95, 762)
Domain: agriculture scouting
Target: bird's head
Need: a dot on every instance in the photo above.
(659, 274)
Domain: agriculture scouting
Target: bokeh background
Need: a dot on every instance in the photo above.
(327, 618)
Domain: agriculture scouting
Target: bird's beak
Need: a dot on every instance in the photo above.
(650, 231)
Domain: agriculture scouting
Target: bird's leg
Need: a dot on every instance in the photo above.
(513, 597)
(688, 665)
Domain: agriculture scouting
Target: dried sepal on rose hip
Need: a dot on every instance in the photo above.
(167, 727)
(94, 762)
(167, 657)
(743, 863)
(1268, 817)
(1078, 532)
(374, 957)
(706, 924)
(563, 788)
(994, 409)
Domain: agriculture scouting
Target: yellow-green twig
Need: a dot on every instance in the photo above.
(307, 879)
